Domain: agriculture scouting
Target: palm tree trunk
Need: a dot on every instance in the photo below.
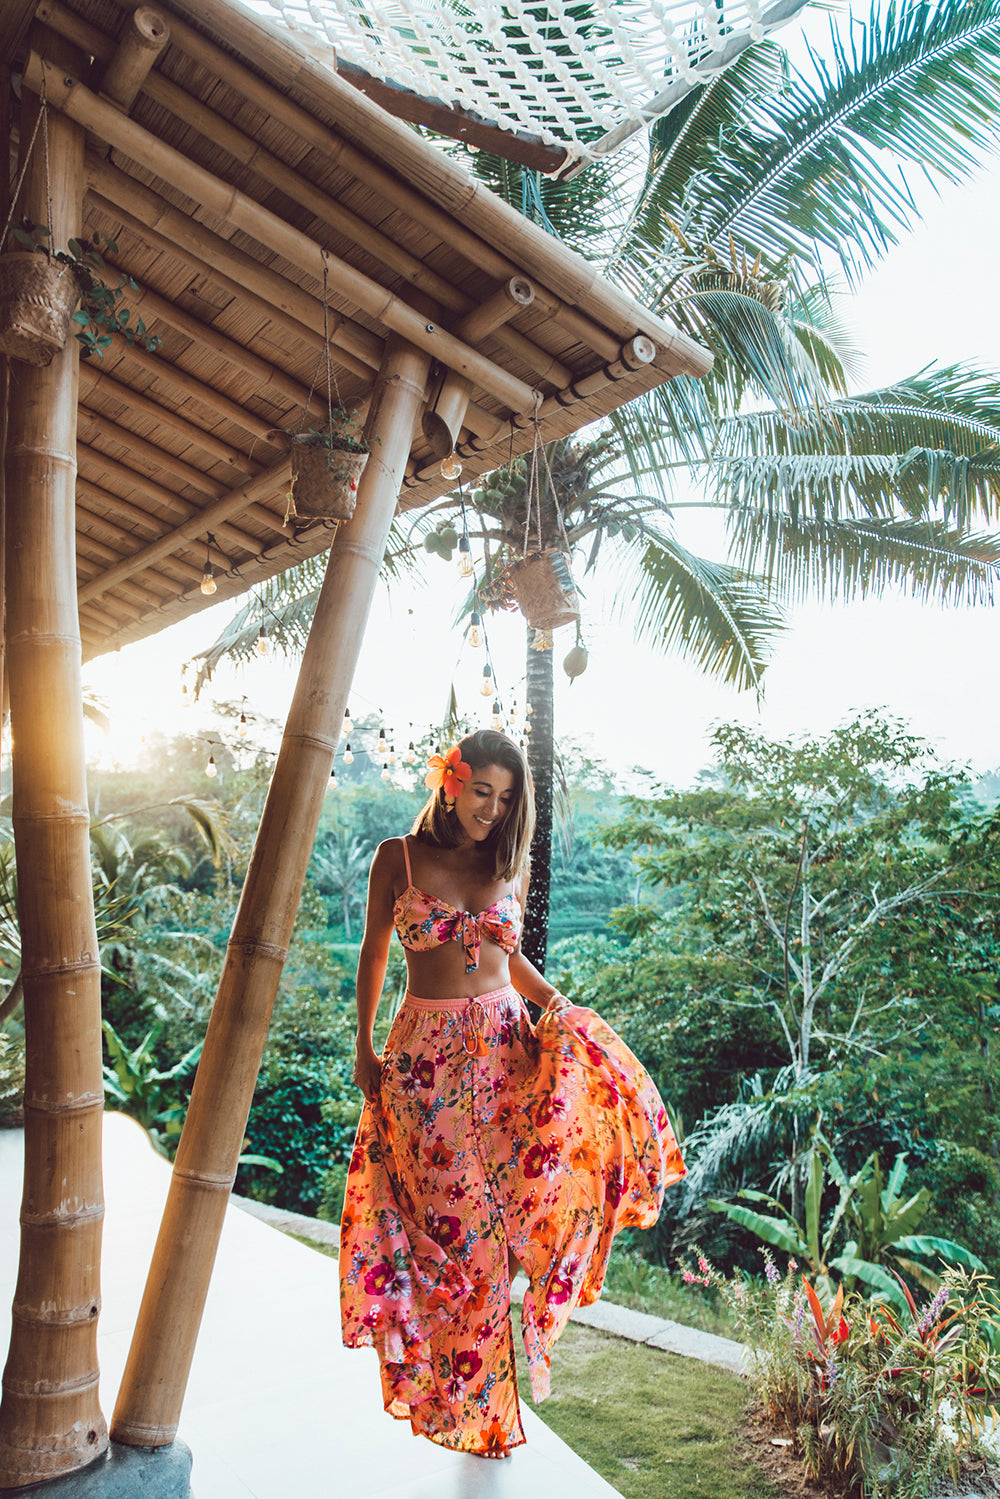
(159, 1361)
(50, 1416)
(347, 915)
(541, 759)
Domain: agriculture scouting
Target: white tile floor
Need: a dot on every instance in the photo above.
(276, 1408)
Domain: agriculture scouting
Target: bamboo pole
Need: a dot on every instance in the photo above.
(67, 93)
(153, 1385)
(271, 481)
(443, 419)
(208, 489)
(290, 307)
(142, 39)
(50, 1415)
(98, 381)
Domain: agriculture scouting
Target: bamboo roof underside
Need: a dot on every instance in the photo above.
(241, 171)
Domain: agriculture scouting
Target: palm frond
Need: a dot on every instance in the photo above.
(848, 559)
(722, 619)
(808, 163)
(928, 448)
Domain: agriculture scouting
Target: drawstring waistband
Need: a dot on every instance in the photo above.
(474, 1012)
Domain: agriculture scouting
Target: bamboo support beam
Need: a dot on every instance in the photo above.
(96, 381)
(117, 507)
(208, 489)
(204, 336)
(92, 458)
(65, 92)
(211, 518)
(143, 37)
(287, 305)
(50, 1415)
(155, 1378)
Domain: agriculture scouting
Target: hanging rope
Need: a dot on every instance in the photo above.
(41, 122)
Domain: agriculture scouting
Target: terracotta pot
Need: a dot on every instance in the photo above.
(543, 585)
(325, 481)
(37, 297)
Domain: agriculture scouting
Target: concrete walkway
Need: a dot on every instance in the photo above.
(276, 1407)
(619, 1321)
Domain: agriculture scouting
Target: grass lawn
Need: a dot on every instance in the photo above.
(651, 1424)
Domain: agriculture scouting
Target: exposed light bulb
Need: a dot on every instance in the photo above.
(208, 584)
(348, 757)
(243, 726)
(487, 684)
(528, 709)
(331, 784)
(497, 719)
(263, 644)
(475, 630)
(465, 568)
(527, 727)
(410, 758)
(392, 754)
(382, 747)
(385, 774)
(450, 467)
(211, 769)
(348, 725)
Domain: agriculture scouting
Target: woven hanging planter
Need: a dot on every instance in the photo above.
(325, 480)
(37, 298)
(543, 585)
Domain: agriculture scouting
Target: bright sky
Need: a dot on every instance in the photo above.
(929, 301)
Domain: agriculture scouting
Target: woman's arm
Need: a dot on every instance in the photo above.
(372, 962)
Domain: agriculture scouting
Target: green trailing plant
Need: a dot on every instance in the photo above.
(883, 1402)
(103, 309)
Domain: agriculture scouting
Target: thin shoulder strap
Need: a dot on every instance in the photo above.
(406, 856)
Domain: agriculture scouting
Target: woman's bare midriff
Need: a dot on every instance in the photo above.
(440, 974)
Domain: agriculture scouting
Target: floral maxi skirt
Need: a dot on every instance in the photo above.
(490, 1136)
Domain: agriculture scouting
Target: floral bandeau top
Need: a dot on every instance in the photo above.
(424, 921)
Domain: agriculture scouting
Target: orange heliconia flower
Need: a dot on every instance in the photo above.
(448, 770)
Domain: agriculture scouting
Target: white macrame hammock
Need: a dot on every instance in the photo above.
(586, 84)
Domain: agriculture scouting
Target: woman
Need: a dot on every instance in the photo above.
(483, 1143)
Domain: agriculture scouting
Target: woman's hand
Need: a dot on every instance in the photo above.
(367, 1071)
(557, 1003)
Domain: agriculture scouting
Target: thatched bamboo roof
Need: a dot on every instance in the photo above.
(241, 170)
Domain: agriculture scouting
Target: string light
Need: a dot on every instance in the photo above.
(465, 568)
(527, 728)
(476, 631)
(382, 748)
(385, 774)
(208, 584)
(211, 769)
(243, 722)
(410, 758)
(486, 689)
(348, 756)
(392, 754)
(263, 644)
(497, 719)
(348, 725)
(450, 467)
(331, 784)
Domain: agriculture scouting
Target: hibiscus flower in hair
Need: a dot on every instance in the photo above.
(448, 770)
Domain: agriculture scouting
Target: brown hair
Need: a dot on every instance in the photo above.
(511, 840)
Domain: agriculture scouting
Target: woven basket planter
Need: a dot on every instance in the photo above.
(37, 297)
(543, 585)
(325, 481)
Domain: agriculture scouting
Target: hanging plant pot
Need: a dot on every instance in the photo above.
(37, 298)
(325, 480)
(544, 588)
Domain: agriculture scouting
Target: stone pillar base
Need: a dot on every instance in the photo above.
(122, 1473)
